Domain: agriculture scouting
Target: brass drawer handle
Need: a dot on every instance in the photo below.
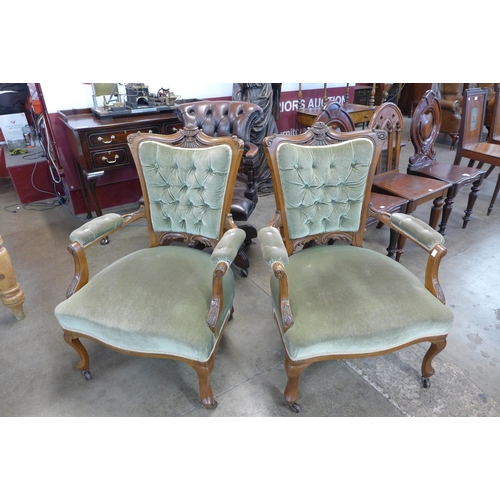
(100, 139)
(108, 161)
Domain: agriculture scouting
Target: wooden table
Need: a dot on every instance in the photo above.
(358, 113)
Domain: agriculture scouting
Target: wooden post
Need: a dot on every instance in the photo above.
(11, 294)
(371, 102)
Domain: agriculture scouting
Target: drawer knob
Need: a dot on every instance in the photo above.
(100, 139)
(107, 160)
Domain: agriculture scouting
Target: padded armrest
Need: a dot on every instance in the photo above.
(228, 246)
(96, 229)
(450, 105)
(251, 150)
(417, 230)
(272, 246)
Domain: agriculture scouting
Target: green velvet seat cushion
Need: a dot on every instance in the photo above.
(354, 301)
(152, 301)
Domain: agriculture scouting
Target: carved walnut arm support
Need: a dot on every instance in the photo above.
(425, 237)
(276, 256)
(223, 255)
(86, 235)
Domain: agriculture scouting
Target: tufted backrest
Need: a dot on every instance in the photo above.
(185, 187)
(220, 118)
(324, 186)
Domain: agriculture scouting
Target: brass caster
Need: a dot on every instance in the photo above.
(426, 382)
(248, 242)
(213, 406)
(244, 273)
(295, 407)
(87, 375)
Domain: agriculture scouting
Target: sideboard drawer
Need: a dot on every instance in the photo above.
(105, 159)
(112, 137)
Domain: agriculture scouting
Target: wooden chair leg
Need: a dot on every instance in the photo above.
(393, 244)
(454, 138)
(427, 369)
(293, 371)
(436, 211)
(495, 194)
(474, 190)
(447, 208)
(400, 250)
(204, 370)
(488, 172)
(74, 342)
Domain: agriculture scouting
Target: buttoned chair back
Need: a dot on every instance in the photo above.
(222, 119)
(342, 300)
(173, 299)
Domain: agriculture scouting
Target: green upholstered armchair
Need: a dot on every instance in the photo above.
(341, 300)
(168, 300)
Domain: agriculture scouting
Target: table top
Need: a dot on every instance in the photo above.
(78, 119)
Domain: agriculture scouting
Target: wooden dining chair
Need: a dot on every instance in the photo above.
(424, 130)
(389, 180)
(472, 143)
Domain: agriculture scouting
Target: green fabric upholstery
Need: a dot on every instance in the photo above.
(169, 319)
(228, 246)
(324, 186)
(417, 229)
(95, 229)
(350, 300)
(185, 187)
(272, 246)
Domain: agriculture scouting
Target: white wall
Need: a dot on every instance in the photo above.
(79, 95)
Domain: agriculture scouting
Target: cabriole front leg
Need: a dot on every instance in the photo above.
(294, 370)
(83, 362)
(204, 370)
(427, 369)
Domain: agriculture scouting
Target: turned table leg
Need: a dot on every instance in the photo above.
(10, 292)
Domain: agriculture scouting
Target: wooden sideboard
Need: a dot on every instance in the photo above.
(99, 146)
